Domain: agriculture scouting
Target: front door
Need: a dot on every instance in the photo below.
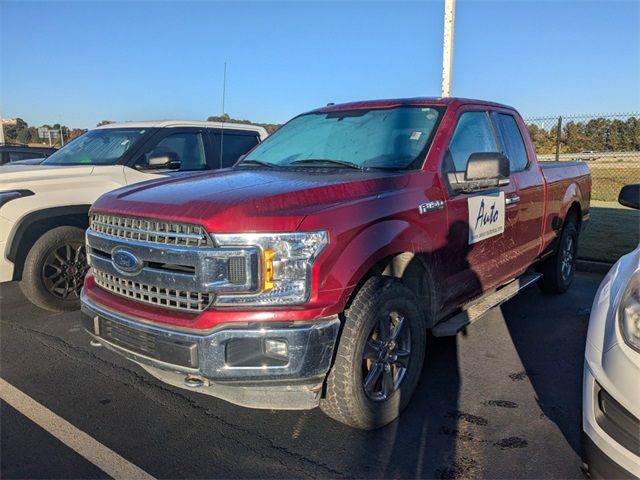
(482, 224)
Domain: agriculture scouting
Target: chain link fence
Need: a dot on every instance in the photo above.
(610, 144)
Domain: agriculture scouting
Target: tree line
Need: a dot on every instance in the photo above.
(596, 134)
(269, 127)
(21, 132)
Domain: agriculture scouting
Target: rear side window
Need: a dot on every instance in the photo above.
(14, 156)
(232, 145)
(513, 143)
(473, 134)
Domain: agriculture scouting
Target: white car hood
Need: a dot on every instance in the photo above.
(42, 176)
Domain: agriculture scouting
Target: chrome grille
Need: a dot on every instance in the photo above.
(151, 230)
(153, 295)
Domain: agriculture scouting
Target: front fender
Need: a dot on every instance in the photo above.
(347, 266)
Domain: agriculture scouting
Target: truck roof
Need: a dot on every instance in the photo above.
(415, 101)
(187, 123)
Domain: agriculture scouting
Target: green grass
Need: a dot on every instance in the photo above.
(612, 231)
(607, 181)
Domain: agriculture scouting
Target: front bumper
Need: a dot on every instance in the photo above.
(203, 361)
(611, 435)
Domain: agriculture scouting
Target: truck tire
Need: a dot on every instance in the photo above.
(54, 270)
(379, 357)
(557, 271)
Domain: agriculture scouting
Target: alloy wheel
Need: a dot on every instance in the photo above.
(568, 254)
(64, 269)
(386, 356)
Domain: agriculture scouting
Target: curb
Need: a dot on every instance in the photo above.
(592, 266)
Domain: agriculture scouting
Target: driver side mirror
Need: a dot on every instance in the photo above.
(484, 170)
(162, 161)
(630, 196)
(487, 167)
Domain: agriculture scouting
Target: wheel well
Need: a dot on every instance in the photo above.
(413, 273)
(36, 224)
(575, 213)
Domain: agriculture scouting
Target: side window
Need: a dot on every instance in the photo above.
(14, 156)
(473, 134)
(188, 146)
(513, 143)
(232, 146)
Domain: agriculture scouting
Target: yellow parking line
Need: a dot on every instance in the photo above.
(88, 447)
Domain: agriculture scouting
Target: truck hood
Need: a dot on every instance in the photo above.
(248, 199)
(34, 176)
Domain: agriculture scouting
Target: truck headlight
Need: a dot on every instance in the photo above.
(285, 269)
(629, 312)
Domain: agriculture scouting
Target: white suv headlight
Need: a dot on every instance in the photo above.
(629, 312)
(285, 270)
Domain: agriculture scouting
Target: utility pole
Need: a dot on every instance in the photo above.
(1, 130)
(447, 47)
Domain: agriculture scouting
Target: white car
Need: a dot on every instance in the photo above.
(611, 384)
(44, 208)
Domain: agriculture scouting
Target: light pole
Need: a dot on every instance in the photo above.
(61, 136)
(447, 46)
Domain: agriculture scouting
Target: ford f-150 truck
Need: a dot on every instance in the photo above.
(310, 272)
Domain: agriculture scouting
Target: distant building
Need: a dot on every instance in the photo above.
(9, 121)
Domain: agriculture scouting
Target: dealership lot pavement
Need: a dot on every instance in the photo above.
(502, 400)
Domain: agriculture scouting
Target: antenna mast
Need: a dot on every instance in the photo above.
(224, 92)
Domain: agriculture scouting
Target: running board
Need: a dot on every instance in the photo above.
(477, 309)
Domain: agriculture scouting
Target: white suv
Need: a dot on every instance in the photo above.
(43, 208)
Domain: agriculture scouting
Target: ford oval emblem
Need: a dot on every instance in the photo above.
(126, 261)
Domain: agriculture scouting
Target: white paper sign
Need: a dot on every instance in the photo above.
(486, 216)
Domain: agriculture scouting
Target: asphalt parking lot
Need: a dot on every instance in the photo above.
(500, 401)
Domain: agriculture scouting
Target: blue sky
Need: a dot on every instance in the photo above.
(85, 61)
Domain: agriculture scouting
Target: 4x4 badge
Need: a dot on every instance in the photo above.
(430, 206)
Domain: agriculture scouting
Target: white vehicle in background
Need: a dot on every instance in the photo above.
(44, 208)
(611, 385)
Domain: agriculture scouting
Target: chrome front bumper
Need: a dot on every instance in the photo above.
(189, 360)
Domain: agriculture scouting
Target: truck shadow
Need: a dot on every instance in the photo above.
(422, 442)
(551, 349)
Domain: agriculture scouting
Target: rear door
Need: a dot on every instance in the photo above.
(528, 203)
(482, 225)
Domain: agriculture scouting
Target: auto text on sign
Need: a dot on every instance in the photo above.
(486, 216)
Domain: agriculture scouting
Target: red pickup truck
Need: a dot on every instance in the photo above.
(310, 272)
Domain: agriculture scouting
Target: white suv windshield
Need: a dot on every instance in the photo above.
(97, 147)
(395, 138)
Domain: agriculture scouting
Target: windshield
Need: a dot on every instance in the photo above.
(394, 138)
(97, 147)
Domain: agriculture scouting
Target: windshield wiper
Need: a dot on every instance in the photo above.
(253, 161)
(311, 161)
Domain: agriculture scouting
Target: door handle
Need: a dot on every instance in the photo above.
(512, 200)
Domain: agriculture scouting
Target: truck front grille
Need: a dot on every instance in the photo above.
(153, 295)
(151, 230)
